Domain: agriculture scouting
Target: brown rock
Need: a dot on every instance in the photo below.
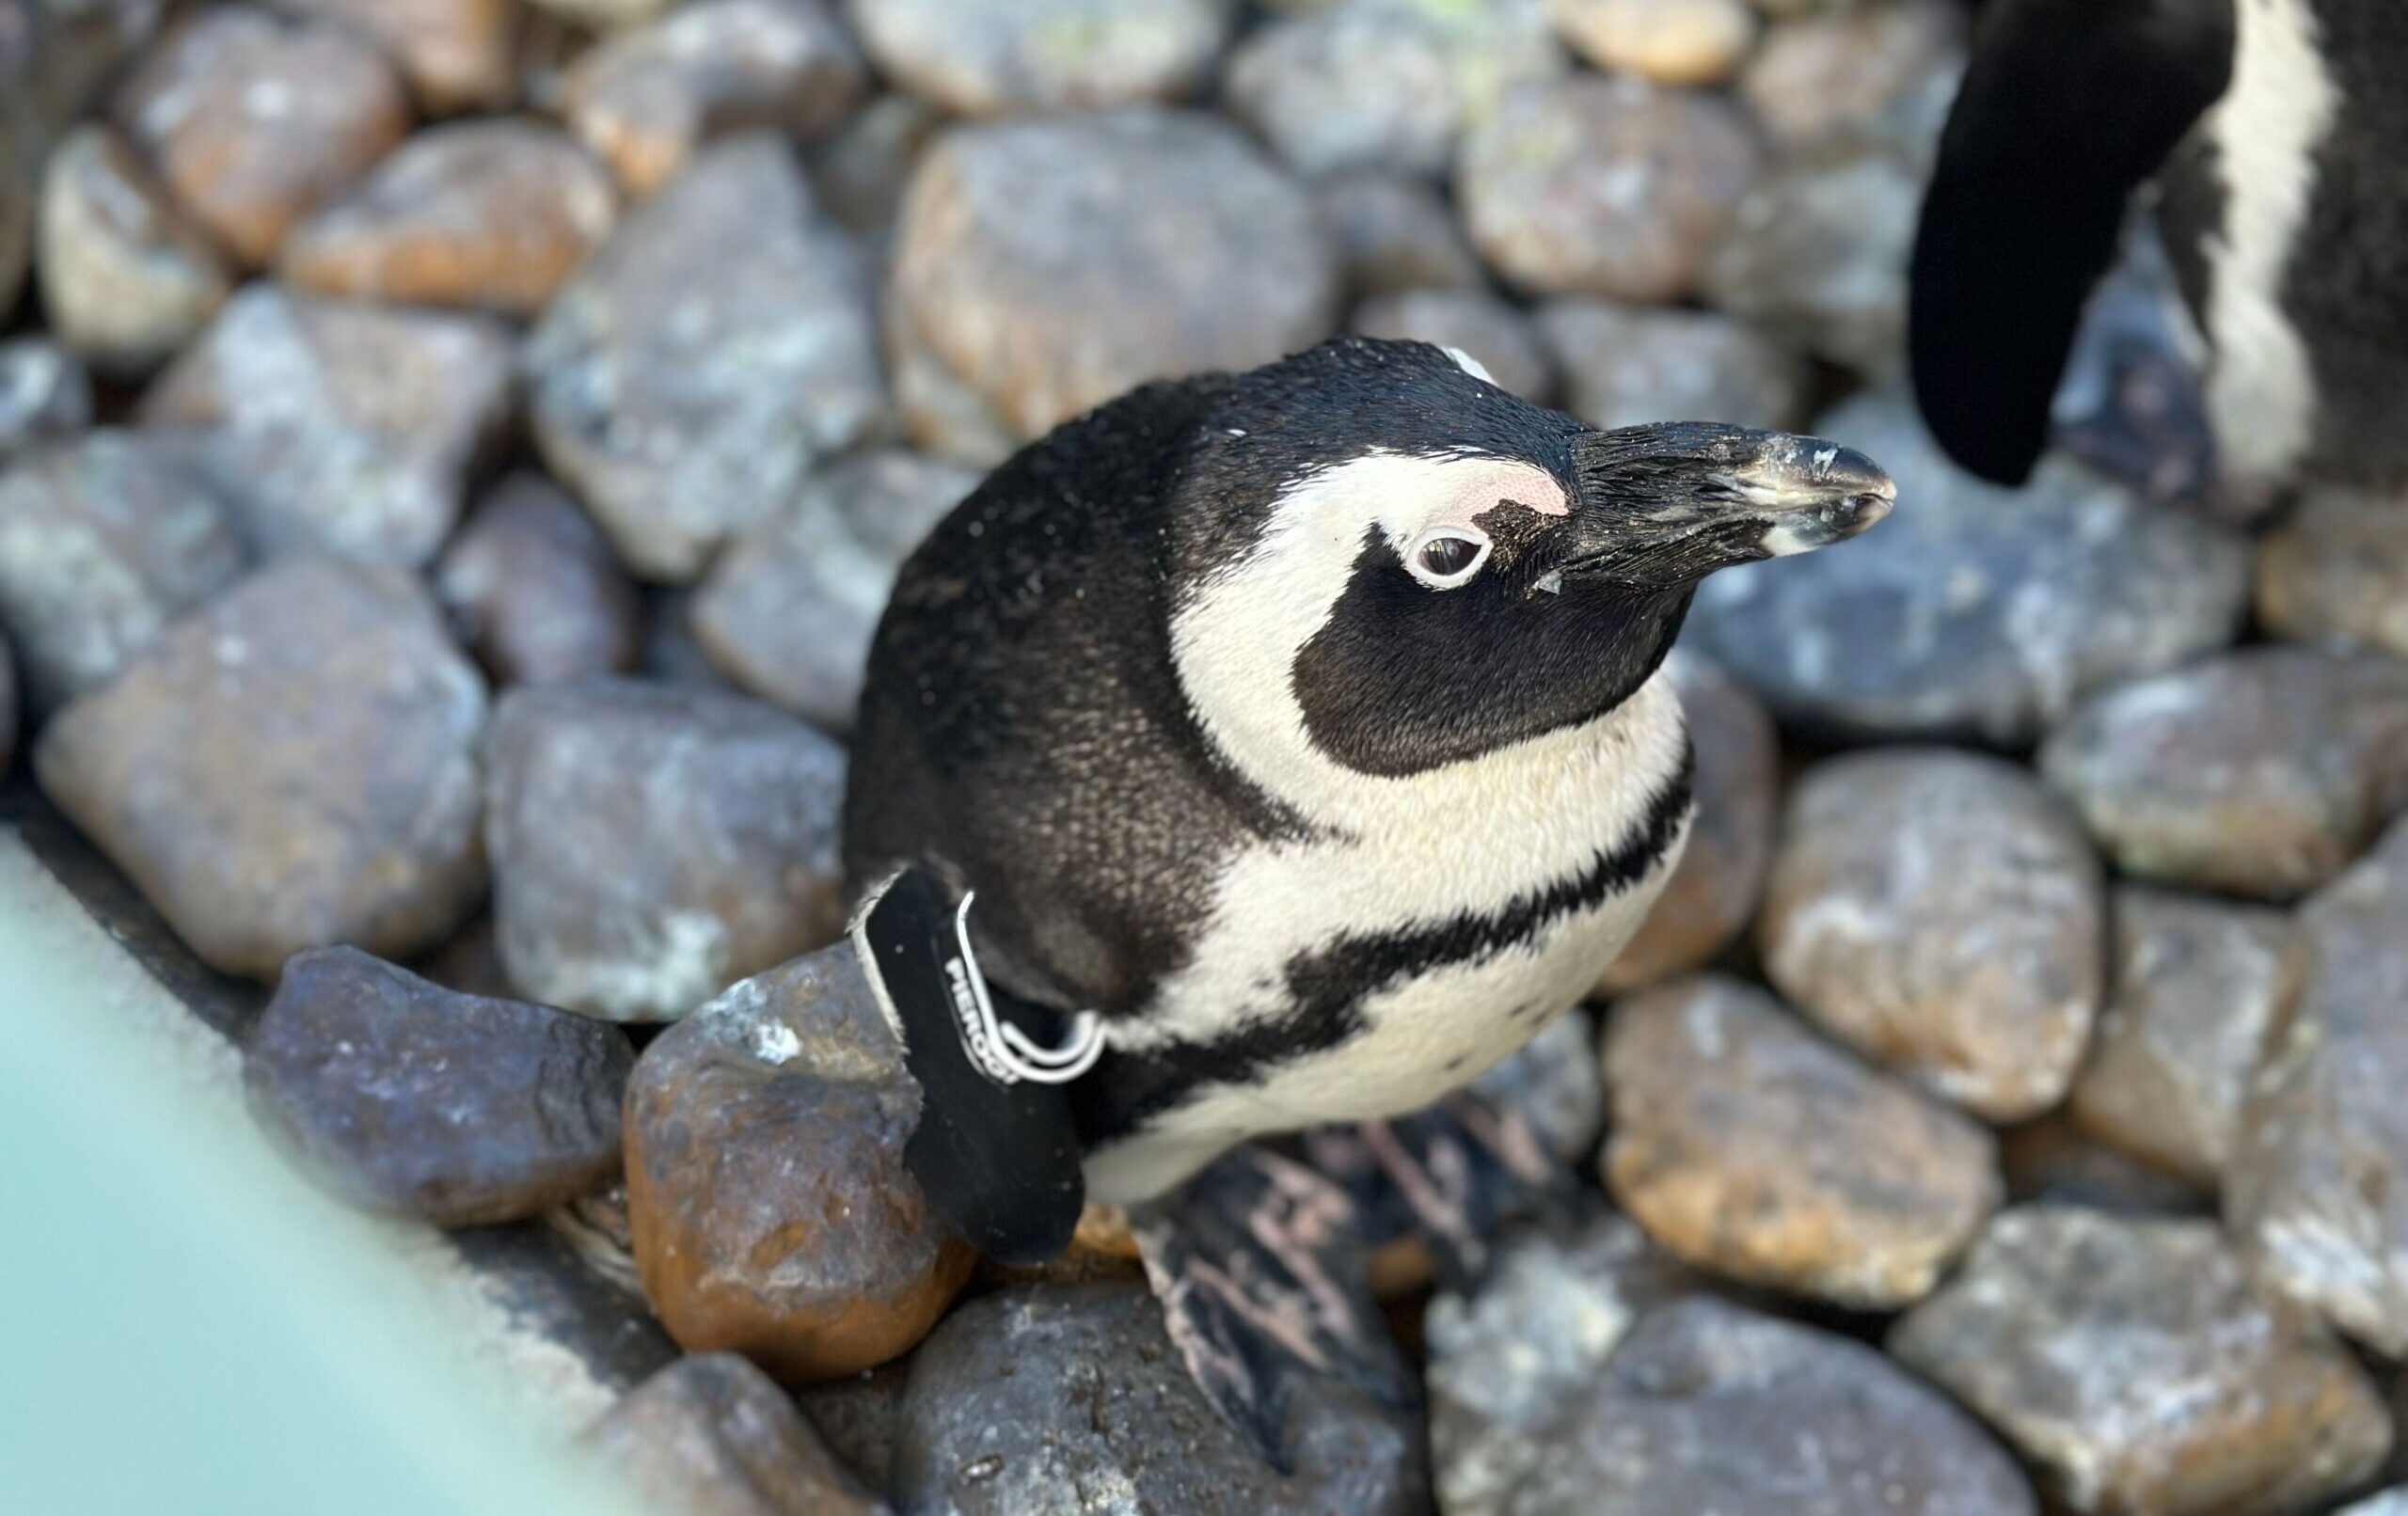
(489, 213)
(1498, 337)
(2131, 1362)
(1671, 41)
(651, 845)
(2261, 773)
(252, 120)
(458, 55)
(45, 393)
(1845, 68)
(1937, 911)
(712, 1436)
(124, 282)
(2335, 570)
(1394, 232)
(2199, 991)
(294, 767)
(530, 582)
(404, 1097)
(813, 1267)
(997, 58)
(1630, 365)
(1603, 186)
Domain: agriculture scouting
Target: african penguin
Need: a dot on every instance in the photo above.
(1307, 724)
(2272, 133)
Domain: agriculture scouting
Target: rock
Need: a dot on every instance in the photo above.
(1387, 84)
(2199, 991)
(1630, 365)
(403, 1097)
(1049, 1399)
(2130, 1360)
(124, 282)
(457, 55)
(858, 1416)
(1975, 612)
(491, 213)
(812, 1268)
(712, 1436)
(788, 610)
(603, 15)
(45, 393)
(690, 374)
(1498, 337)
(1671, 41)
(532, 584)
(1043, 267)
(2260, 773)
(1852, 68)
(1393, 232)
(862, 170)
(2389, 1502)
(337, 425)
(1603, 186)
(2054, 1160)
(996, 57)
(103, 541)
(54, 54)
(2314, 1191)
(1747, 1146)
(1937, 911)
(2335, 570)
(670, 652)
(1552, 1082)
(651, 845)
(252, 120)
(290, 767)
(1713, 893)
(7, 705)
(647, 97)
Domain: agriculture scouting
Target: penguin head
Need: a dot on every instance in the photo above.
(1388, 565)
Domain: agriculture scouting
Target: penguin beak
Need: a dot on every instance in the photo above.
(1662, 506)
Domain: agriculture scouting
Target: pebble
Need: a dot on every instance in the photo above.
(457, 55)
(862, 170)
(2054, 1159)
(648, 98)
(1671, 41)
(2390, 1503)
(2258, 773)
(788, 610)
(1043, 267)
(252, 120)
(1974, 612)
(1847, 68)
(1936, 910)
(603, 15)
(2199, 990)
(1713, 893)
(492, 215)
(45, 393)
(1603, 186)
(292, 766)
(857, 1416)
(2314, 1191)
(2131, 1362)
(1067, 1397)
(1553, 1083)
(1633, 365)
(2335, 570)
(772, 1212)
(532, 585)
(7, 705)
(54, 54)
(124, 282)
(1749, 1146)
(1000, 57)
(103, 541)
(336, 425)
(713, 1435)
(1496, 336)
(406, 1098)
(651, 845)
(1394, 232)
(718, 346)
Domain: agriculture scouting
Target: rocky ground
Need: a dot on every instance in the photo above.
(452, 453)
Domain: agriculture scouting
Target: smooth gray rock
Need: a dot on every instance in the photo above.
(1627, 365)
(1498, 337)
(1000, 57)
(45, 393)
(1393, 232)
(712, 1435)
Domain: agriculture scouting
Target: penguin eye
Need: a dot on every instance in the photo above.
(1444, 557)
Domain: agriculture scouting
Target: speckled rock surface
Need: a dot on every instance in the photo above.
(996, 57)
(2131, 1363)
(1979, 983)
(1850, 66)
(2335, 570)
(1496, 336)
(530, 583)
(1393, 232)
(457, 55)
(124, 281)
(711, 1435)
(45, 393)
(1631, 365)
(1671, 41)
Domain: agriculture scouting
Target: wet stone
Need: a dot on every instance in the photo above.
(339, 425)
(457, 55)
(2200, 990)
(651, 845)
(1043, 267)
(996, 57)
(772, 1212)
(2131, 1363)
(290, 767)
(45, 393)
(252, 120)
(1603, 186)
(1394, 232)
(1938, 911)
(1498, 337)
(2261, 773)
(718, 346)
(1850, 67)
(647, 98)
(1974, 612)
(532, 584)
(1051, 1398)
(2335, 570)
(124, 282)
(713, 1435)
(788, 610)
(491, 215)
(103, 541)
(404, 1097)
(1671, 41)
(1631, 365)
